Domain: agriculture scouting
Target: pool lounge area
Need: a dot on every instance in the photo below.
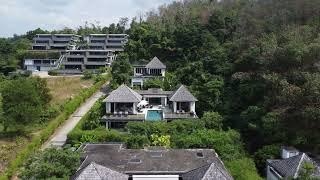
(125, 105)
(154, 115)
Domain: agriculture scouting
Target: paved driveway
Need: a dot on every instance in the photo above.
(60, 136)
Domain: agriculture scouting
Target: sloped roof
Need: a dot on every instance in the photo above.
(157, 160)
(97, 172)
(182, 94)
(155, 63)
(211, 171)
(123, 94)
(290, 167)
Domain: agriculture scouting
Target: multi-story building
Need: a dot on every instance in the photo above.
(107, 41)
(76, 52)
(87, 59)
(55, 41)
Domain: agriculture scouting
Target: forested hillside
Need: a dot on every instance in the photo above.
(253, 61)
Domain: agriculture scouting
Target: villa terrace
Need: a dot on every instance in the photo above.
(124, 105)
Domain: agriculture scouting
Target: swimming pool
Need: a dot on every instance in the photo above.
(154, 115)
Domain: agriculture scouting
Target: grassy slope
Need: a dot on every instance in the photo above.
(62, 88)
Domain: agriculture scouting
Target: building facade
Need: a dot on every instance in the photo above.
(77, 53)
(125, 104)
(87, 59)
(55, 41)
(113, 42)
(154, 69)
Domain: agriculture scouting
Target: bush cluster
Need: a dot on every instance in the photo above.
(68, 108)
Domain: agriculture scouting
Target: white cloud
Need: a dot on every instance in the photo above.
(19, 16)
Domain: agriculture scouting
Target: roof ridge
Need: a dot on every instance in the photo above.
(185, 95)
(94, 166)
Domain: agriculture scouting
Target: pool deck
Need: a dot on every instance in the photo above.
(140, 116)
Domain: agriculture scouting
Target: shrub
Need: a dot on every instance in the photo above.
(185, 126)
(77, 137)
(162, 140)
(266, 152)
(51, 163)
(53, 73)
(92, 119)
(227, 143)
(87, 74)
(212, 120)
(243, 169)
(137, 141)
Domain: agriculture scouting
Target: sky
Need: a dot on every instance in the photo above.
(20, 16)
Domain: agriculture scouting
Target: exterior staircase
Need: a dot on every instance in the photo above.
(59, 62)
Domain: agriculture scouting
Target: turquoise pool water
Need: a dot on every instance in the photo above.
(154, 115)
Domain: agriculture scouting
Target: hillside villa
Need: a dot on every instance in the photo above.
(125, 104)
(154, 69)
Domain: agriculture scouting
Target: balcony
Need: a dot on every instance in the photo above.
(72, 63)
(61, 38)
(123, 117)
(99, 63)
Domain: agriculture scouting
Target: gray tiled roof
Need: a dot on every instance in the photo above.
(155, 63)
(154, 91)
(290, 167)
(157, 161)
(182, 94)
(95, 171)
(123, 94)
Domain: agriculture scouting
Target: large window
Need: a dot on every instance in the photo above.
(75, 59)
(155, 71)
(140, 70)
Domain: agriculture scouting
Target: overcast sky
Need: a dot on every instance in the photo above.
(19, 16)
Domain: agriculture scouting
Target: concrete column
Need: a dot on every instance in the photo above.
(163, 72)
(193, 107)
(174, 107)
(135, 108)
(107, 124)
(165, 101)
(114, 107)
(108, 107)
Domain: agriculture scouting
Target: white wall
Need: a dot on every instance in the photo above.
(108, 107)
(287, 153)
(163, 72)
(155, 177)
(31, 68)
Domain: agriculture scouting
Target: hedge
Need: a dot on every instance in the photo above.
(78, 135)
(69, 107)
(38, 55)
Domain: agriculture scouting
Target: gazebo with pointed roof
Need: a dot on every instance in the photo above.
(183, 100)
(123, 99)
